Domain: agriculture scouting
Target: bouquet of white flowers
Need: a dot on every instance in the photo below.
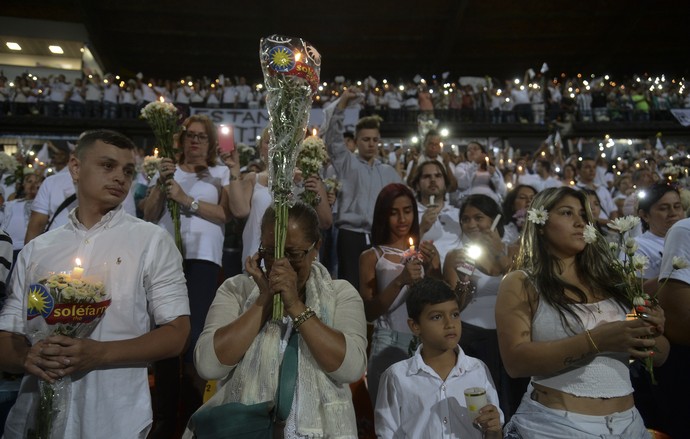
(631, 267)
(165, 123)
(310, 160)
(64, 303)
(7, 163)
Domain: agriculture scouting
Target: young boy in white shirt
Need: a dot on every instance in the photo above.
(423, 397)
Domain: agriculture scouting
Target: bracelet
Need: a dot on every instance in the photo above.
(302, 317)
(591, 340)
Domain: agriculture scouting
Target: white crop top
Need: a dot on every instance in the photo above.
(395, 317)
(606, 375)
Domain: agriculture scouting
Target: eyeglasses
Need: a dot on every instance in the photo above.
(294, 256)
(200, 137)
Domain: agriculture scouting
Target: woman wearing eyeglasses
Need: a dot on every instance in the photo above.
(323, 318)
(200, 188)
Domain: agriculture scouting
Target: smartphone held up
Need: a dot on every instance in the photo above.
(226, 139)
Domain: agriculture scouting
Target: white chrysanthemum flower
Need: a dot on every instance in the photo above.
(638, 301)
(312, 156)
(640, 262)
(625, 224)
(679, 263)
(613, 247)
(631, 246)
(538, 215)
(69, 293)
(151, 165)
(8, 162)
(590, 234)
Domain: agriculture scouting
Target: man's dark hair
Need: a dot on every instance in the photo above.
(428, 291)
(429, 134)
(584, 159)
(545, 164)
(418, 175)
(110, 137)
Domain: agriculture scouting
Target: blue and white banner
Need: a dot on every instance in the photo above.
(682, 116)
(248, 124)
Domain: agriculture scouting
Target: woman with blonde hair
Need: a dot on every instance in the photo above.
(561, 319)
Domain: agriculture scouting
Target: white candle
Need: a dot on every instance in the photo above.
(432, 198)
(475, 398)
(77, 271)
(495, 223)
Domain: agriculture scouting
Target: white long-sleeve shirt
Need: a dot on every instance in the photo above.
(414, 402)
(142, 270)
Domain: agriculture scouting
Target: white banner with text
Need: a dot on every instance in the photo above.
(248, 124)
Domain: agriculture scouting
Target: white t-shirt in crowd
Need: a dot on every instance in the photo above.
(201, 238)
(54, 190)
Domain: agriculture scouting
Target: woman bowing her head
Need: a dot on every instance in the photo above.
(242, 348)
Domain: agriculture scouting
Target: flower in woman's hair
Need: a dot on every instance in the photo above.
(538, 215)
(640, 262)
(625, 224)
(590, 234)
(630, 246)
(679, 263)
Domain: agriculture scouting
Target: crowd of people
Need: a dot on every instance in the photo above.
(535, 98)
(472, 269)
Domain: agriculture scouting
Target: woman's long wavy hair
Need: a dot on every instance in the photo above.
(593, 264)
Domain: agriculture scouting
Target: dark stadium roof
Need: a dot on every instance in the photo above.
(171, 39)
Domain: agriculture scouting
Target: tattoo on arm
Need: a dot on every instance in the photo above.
(572, 360)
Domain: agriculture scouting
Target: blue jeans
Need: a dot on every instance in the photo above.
(7, 400)
(533, 420)
(387, 347)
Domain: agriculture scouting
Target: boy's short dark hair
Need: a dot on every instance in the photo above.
(89, 138)
(427, 291)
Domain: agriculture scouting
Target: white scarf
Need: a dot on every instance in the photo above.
(324, 408)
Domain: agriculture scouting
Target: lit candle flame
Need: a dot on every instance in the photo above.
(411, 244)
(314, 132)
(77, 271)
(162, 99)
(155, 152)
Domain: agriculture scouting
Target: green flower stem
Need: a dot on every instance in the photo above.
(288, 102)
(280, 234)
(43, 421)
(164, 126)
